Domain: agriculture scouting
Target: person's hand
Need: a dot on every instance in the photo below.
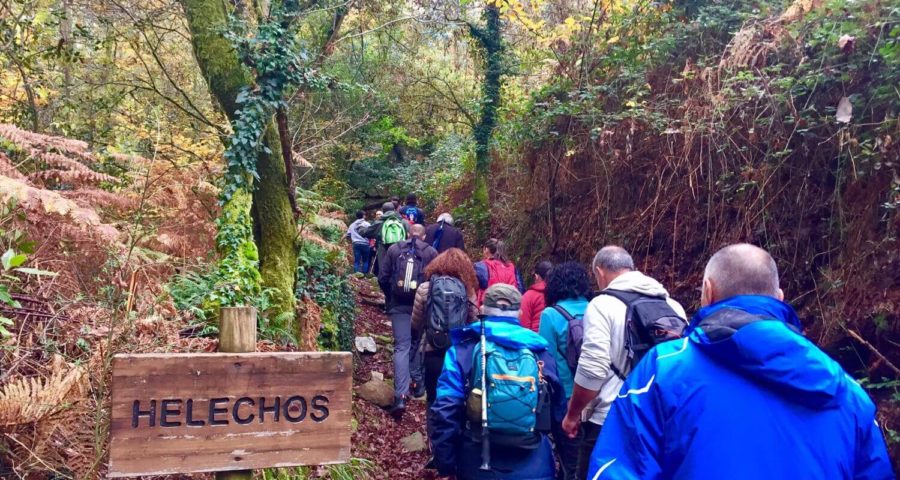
(570, 425)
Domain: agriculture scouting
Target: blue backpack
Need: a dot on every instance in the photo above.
(514, 394)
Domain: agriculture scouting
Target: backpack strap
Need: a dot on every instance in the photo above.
(569, 319)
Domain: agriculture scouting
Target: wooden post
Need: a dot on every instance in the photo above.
(237, 334)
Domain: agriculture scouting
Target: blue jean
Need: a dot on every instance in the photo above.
(361, 253)
(407, 355)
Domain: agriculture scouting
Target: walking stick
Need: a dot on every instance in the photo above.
(485, 437)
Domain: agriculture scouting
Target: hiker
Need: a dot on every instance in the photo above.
(373, 264)
(451, 304)
(566, 295)
(496, 268)
(411, 212)
(533, 299)
(361, 247)
(403, 270)
(443, 235)
(518, 446)
(388, 230)
(395, 200)
(744, 396)
(604, 359)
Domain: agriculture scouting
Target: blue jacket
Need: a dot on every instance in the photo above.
(413, 213)
(744, 396)
(454, 452)
(555, 330)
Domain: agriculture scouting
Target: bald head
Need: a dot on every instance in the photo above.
(417, 231)
(740, 269)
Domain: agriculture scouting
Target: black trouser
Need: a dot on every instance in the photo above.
(589, 433)
(567, 449)
(434, 365)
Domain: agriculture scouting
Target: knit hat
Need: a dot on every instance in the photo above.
(503, 297)
(387, 207)
(446, 218)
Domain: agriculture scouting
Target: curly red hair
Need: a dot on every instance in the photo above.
(454, 263)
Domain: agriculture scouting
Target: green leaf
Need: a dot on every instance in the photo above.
(36, 271)
(5, 296)
(17, 260)
(6, 259)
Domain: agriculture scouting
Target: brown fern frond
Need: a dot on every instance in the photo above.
(32, 399)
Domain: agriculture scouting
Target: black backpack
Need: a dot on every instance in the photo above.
(408, 273)
(447, 308)
(574, 337)
(648, 321)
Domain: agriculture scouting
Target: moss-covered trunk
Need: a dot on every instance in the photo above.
(276, 229)
(490, 40)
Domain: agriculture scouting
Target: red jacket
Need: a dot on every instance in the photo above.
(532, 306)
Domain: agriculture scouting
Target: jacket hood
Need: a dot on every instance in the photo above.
(391, 214)
(502, 330)
(639, 283)
(759, 338)
(539, 286)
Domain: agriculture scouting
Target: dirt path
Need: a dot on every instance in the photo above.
(377, 435)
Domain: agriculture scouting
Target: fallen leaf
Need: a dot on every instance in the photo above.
(846, 43)
(844, 110)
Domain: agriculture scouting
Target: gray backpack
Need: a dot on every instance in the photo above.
(447, 308)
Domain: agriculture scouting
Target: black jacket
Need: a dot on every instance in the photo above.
(452, 237)
(387, 266)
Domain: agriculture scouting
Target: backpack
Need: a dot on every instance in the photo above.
(392, 231)
(412, 214)
(408, 273)
(648, 321)
(516, 395)
(438, 235)
(498, 272)
(447, 308)
(574, 337)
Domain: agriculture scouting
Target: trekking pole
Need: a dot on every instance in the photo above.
(485, 437)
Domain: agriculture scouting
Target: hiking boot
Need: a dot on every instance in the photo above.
(399, 408)
(418, 391)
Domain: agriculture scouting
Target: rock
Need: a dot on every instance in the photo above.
(413, 443)
(365, 344)
(377, 376)
(377, 392)
(373, 301)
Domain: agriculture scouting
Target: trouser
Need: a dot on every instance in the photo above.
(567, 449)
(386, 290)
(361, 257)
(589, 433)
(407, 359)
(433, 365)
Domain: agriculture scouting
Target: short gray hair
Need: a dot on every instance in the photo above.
(613, 258)
(742, 269)
(446, 218)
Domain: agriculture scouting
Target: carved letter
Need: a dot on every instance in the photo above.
(274, 409)
(320, 405)
(287, 409)
(190, 415)
(166, 412)
(214, 410)
(137, 413)
(235, 411)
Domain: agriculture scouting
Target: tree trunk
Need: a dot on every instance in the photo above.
(490, 40)
(275, 225)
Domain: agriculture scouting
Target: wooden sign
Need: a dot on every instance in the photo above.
(183, 413)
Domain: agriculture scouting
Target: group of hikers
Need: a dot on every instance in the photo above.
(609, 379)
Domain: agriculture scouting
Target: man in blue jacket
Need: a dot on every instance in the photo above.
(744, 396)
(454, 442)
